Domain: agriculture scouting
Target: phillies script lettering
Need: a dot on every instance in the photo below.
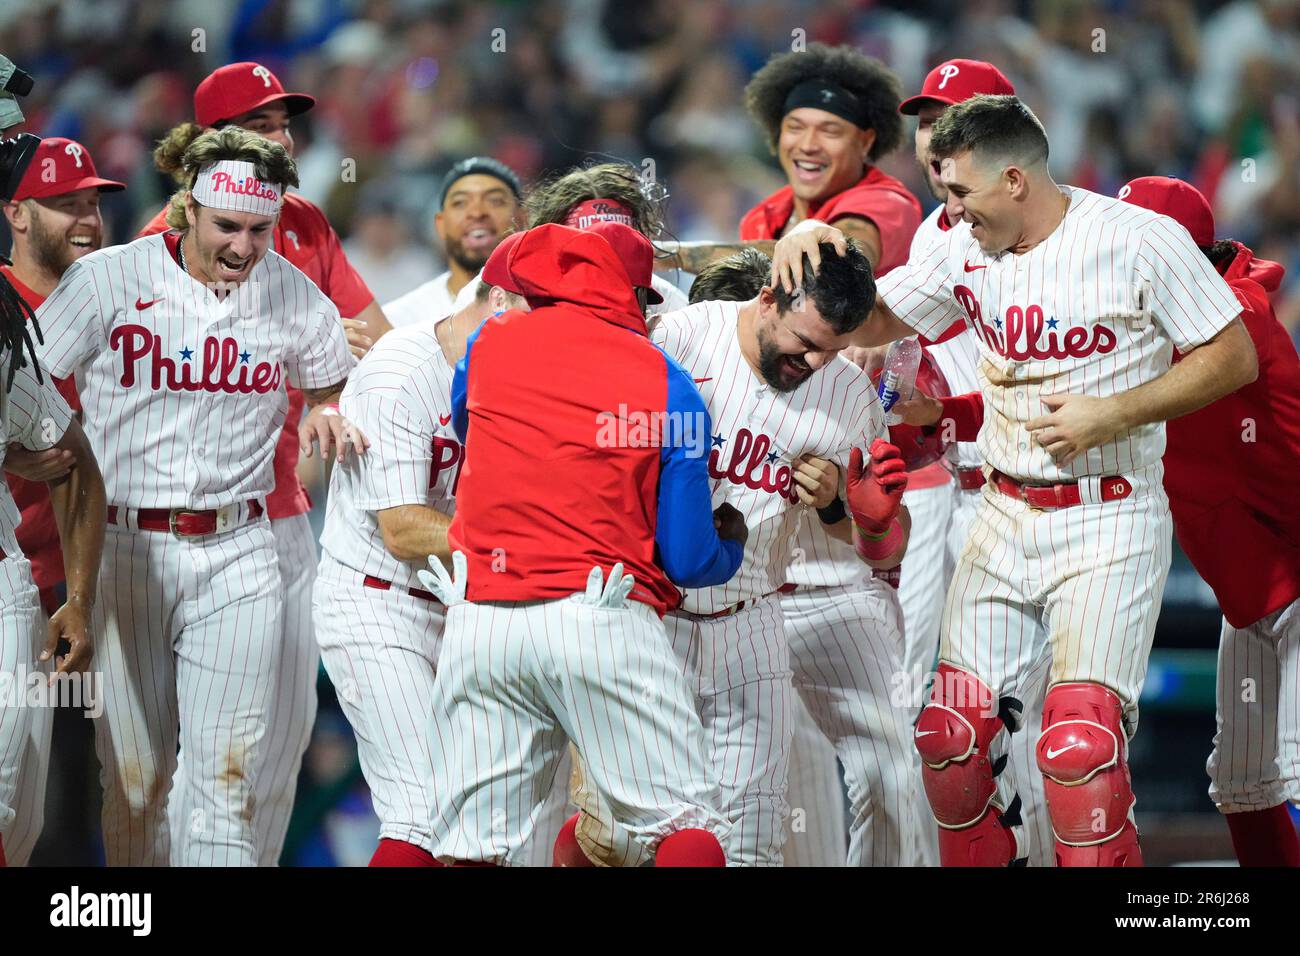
(221, 369)
(248, 186)
(749, 465)
(1023, 337)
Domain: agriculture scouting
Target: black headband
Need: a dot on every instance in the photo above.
(828, 96)
(481, 166)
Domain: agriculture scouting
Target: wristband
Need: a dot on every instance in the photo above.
(874, 547)
(833, 513)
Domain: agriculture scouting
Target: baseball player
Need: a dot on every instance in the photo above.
(182, 344)
(1232, 494)
(55, 203)
(533, 659)
(607, 192)
(828, 114)
(251, 97)
(389, 510)
(942, 512)
(479, 204)
(778, 393)
(1069, 551)
(845, 640)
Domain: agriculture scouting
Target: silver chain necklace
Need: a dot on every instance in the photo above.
(180, 254)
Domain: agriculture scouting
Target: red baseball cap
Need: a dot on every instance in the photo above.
(1180, 201)
(956, 81)
(61, 166)
(634, 251)
(241, 88)
(496, 271)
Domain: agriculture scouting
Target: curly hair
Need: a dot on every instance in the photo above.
(550, 201)
(875, 86)
(271, 162)
(737, 278)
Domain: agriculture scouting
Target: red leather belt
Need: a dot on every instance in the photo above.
(1113, 488)
(379, 584)
(970, 479)
(182, 522)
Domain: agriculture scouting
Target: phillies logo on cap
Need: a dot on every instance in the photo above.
(264, 74)
(947, 71)
(1124, 191)
(74, 150)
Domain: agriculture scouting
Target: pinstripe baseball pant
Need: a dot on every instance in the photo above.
(188, 636)
(516, 680)
(24, 725)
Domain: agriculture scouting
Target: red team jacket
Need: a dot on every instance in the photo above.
(304, 237)
(1232, 472)
(542, 498)
(877, 196)
(38, 534)
(1230, 468)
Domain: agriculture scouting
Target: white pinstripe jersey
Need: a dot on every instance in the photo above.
(35, 416)
(424, 303)
(400, 398)
(184, 393)
(957, 358)
(1094, 309)
(757, 433)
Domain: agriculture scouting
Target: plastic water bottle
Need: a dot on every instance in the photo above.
(898, 377)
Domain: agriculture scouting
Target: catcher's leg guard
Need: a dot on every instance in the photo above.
(953, 735)
(1083, 758)
(566, 851)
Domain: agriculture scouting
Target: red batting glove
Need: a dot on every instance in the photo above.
(875, 495)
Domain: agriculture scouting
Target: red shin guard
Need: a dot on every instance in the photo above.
(690, 848)
(1262, 837)
(400, 853)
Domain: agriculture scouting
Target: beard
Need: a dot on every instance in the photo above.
(469, 262)
(51, 252)
(783, 372)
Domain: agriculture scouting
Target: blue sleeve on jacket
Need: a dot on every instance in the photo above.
(692, 554)
(460, 387)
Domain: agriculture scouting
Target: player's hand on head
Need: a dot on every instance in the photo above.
(920, 410)
(1073, 424)
(69, 623)
(875, 486)
(449, 588)
(804, 239)
(730, 524)
(817, 480)
(48, 465)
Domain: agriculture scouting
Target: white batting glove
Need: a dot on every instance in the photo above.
(613, 594)
(447, 588)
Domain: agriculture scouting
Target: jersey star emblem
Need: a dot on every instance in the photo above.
(717, 441)
(245, 356)
(187, 354)
(1051, 323)
(772, 457)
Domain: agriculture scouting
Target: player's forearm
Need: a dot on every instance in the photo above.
(881, 327)
(329, 395)
(1217, 368)
(895, 557)
(413, 532)
(694, 256)
(80, 508)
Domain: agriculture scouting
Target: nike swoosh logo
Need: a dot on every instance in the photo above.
(970, 268)
(923, 733)
(142, 305)
(1053, 754)
(443, 419)
(699, 380)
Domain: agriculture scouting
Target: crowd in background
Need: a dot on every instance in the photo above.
(1206, 91)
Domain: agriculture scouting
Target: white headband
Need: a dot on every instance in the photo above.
(233, 185)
